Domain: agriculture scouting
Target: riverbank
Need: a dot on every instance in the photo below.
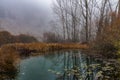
(42, 47)
(11, 54)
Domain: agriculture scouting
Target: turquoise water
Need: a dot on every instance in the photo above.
(63, 65)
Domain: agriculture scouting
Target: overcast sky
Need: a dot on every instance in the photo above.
(25, 16)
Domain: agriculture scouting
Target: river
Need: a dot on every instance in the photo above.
(62, 65)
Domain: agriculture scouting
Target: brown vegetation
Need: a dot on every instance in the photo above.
(107, 42)
(6, 37)
(8, 61)
(41, 47)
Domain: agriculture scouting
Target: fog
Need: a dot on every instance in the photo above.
(25, 16)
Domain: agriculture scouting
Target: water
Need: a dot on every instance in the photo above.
(63, 65)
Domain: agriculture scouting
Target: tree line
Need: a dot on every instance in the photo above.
(83, 20)
(6, 38)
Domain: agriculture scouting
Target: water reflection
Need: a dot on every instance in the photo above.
(66, 65)
(75, 66)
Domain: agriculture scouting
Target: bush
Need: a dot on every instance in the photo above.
(6, 38)
(106, 49)
(8, 59)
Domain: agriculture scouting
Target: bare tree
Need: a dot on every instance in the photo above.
(118, 6)
(67, 11)
(58, 9)
(88, 16)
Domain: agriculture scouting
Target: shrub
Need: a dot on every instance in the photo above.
(8, 59)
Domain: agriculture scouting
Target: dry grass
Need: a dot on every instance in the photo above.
(40, 47)
(17, 50)
(8, 60)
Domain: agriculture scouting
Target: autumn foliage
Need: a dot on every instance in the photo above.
(105, 42)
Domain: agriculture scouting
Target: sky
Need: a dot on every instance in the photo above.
(26, 16)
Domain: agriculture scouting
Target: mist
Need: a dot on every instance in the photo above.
(25, 16)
